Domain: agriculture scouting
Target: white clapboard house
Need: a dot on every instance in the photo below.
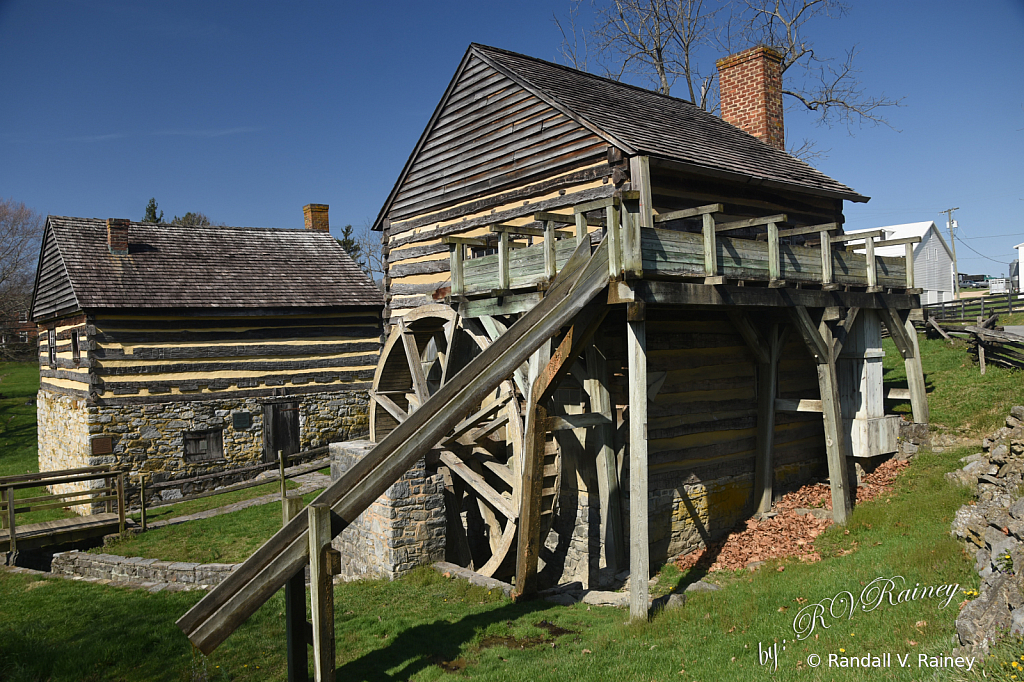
(933, 259)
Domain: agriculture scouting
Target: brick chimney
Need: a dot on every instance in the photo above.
(316, 217)
(751, 87)
(117, 236)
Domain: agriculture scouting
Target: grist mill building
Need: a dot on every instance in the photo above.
(177, 351)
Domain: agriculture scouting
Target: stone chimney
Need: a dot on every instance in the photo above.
(117, 236)
(316, 217)
(751, 87)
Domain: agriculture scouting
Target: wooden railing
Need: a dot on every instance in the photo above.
(633, 250)
(112, 492)
(969, 309)
(281, 464)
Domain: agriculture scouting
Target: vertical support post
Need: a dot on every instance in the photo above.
(108, 483)
(550, 266)
(321, 585)
(915, 373)
(869, 262)
(710, 246)
(614, 241)
(835, 442)
(504, 282)
(640, 180)
(910, 266)
(142, 500)
(581, 228)
(296, 625)
(639, 548)
(774, 268)
(533, 488)
(281, 464)
(120, 502)
(767, 387)
(456, 255)
(826, 257)
(607, 469)
(981, 357)
(10, 520)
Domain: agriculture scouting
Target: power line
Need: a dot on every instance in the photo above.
(983, 255)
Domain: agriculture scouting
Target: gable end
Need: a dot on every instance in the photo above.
(53, 293)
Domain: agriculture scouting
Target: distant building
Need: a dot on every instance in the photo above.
(176, 351)
(1020, 252)
(933, 259)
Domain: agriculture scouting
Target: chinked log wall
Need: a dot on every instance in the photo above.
(143, 380)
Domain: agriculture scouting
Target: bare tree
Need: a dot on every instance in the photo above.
(20, 230)
(667, 41)
(372, 249)
(829, 87)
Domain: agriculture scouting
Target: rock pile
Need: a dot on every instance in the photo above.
(993, 528)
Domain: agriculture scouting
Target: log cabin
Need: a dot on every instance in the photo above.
(175, 351)
(616, 325)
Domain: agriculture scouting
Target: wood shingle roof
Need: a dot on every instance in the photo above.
(170, 266)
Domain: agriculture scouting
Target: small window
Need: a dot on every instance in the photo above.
(76, 353)
(23, 337)
(23, 316)
(51, 347)
(203, 446)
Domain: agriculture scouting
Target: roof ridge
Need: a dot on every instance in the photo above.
(606, 79)
(140, 223)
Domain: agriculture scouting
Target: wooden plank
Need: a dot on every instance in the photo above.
(455, 265)
(12, 527)
(808, 330)
(478, 484)
(639, 535)
(581, 228)
(826, 258)
(811, 229)
(532, 493)
(710, 246)
(870, 265)
(857, 236)
(595, 205)
(774, 270)
(559, 218)
(597, 387)
(752, 222)
(463, 241)
(390, 406)
(843, 332)
(797, 405)
(567, 422)
(909, 259)
(898, 394)
(640, 179)
(231, 602)
(321, 586)
(689, 213)
(550, 266)
(915, 375)
(767, 389)
(755, 341)
(614, 238)
(297, 637)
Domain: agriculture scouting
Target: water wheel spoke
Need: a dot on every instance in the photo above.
(495, 467)
(392, 408)
(450, 342)
(457, 436)
(488, 428)
(412, 356)
(498, 555)
(477, 483)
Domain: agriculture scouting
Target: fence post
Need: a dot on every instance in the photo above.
(120, 502)
(142, 500)
(296, 626)
(10, 520)
(108, 484)
(324, 563)
(281, 460)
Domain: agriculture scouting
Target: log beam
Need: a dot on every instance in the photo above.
(639, 548)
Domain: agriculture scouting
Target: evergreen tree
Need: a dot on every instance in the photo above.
(352, 246)
(151, 216)
(191, 219)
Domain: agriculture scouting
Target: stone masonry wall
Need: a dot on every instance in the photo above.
(136, 569)
(63, 438)
(402, 529)
(148, 438)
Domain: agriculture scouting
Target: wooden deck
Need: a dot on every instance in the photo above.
(60, 531)
(672, 255)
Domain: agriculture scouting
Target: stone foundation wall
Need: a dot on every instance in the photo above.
(148, 438)
(136, 569)
(402, 529)
(63, 437)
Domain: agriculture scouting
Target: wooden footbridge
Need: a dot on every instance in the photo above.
(16, 537)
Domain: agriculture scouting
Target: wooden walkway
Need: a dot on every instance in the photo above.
(60, 532)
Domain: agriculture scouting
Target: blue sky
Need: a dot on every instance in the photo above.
(248, 111)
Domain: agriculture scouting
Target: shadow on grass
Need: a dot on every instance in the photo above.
(436, 643)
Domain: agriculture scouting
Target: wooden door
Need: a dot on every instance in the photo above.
(280, 429)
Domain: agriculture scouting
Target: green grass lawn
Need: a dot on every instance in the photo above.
(959, 398)
(423, 625)
(205, 503)
(19, 383)
(228, 538)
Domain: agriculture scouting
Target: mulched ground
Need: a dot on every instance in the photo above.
(788, 534)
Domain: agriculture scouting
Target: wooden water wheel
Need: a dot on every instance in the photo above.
(480, 459)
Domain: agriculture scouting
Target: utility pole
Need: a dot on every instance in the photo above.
(952, 241)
